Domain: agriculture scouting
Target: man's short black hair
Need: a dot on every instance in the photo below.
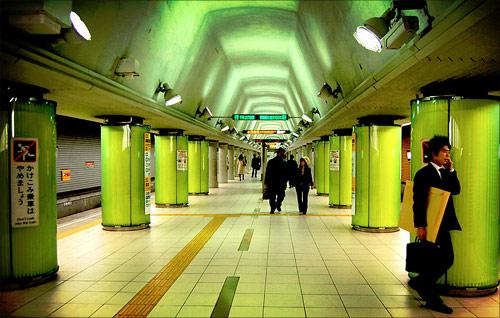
(291, 157)
(438, 142)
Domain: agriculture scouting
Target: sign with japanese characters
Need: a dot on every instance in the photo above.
(182, 156)
(147, 173)
(65, 175)
(334, 160)
(24, 182)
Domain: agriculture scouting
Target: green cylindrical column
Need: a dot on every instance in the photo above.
(28, 214)
(474, 131)
(171, 168)
(197, 166)
(321, 165)
(378, 181)
(341, 169)
(124, 184)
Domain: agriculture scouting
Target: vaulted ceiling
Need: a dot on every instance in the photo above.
(255, 57)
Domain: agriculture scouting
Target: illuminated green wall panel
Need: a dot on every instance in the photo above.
(198, 167)
(341, 175)
(378, 182)
(122, 152)
(171, 179)
(28, 252)
(321, 167)
(473, 128)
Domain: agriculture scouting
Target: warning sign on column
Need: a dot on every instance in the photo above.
(24, 182)
(147, 173)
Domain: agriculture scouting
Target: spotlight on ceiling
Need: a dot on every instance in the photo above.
(243, 137)
(326, 91)
(393, 29)
(170, 97)
(205, 112)
(223, 126)
(79, 26)
(295, 134)
(307, 118)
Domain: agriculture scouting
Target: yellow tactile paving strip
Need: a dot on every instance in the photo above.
(77, 229)
(147, 298)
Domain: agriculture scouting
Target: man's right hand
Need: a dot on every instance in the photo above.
(421, 233)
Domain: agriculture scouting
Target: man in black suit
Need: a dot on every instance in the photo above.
(439, 173)
(275, 180)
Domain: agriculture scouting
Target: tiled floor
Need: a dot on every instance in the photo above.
(296, 266)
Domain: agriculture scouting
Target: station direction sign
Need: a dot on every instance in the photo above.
(265, 132)
(269, 140)
(260, 116)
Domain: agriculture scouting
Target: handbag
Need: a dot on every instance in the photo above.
(422, 256)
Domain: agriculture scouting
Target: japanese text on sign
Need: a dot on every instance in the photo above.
(24, 182)
(334, 160)
(182, 160)
(147, 173)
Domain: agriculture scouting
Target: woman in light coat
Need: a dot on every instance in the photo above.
(241, 167)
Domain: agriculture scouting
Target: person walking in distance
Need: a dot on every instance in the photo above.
(439, 173)
(241, 167)
(303, 180)
(275, 180)
(255, 165)
(292, 171)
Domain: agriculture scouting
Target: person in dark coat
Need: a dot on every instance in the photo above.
(255, 165)
(275, 180)
(303, 180)
(439, 173)
(292, 171)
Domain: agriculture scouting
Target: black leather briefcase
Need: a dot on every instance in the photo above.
(422, 256)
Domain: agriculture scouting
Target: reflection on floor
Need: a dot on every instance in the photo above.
(295, 266)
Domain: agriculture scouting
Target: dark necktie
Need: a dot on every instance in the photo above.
(441, 172)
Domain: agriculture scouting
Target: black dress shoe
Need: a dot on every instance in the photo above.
(439, 306)
(279, 209)
(272, 212)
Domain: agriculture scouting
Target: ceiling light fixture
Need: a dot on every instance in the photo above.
(295, 134)
(243, 137)
(225, 128)
(170, 97)
(205, 112)
(307, 118)
(326, 91)
(79, 26)
(393, 29)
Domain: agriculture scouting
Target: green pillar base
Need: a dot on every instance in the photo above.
(173, 205)
(116, 228)
(25, 282)
(323, 194)
(338, 206)
(467, 292)
(198, 193)
(375, 229)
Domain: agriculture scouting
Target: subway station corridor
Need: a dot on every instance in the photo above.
(287, 265)
(131, 130)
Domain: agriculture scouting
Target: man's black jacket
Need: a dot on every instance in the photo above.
(276, 173)
(428, 177)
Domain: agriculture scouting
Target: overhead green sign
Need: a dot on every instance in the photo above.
(260, 116)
